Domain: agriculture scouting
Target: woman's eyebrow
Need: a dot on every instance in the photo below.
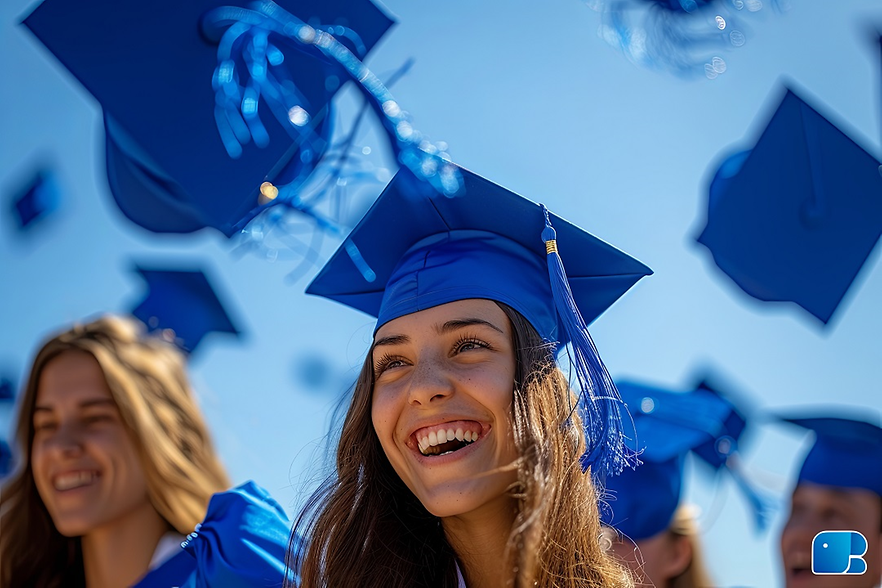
(84, 404)
(391, 340)
(465, 322)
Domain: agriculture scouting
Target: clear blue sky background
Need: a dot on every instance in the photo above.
(528, 95)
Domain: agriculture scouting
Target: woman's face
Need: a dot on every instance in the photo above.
(815, 508)
(85, 464)
(443, 388)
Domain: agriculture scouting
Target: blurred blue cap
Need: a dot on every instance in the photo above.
(666, 426)
(151, 66)
(414, 250)
(794, 218)
(5, 458)
(36, 200)
(183, 305)
(846, 453)
(7, 390)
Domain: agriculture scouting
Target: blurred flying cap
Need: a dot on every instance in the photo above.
(37, 199)
(794, 218)
(183, 306)
(150, 65)
(847, 453)
(5, 458)
(666, 426)
(7, 390)
(414, 251)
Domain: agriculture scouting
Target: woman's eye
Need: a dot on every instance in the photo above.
(386, 363)
(97, 419)
(470, 344)
(44, 427)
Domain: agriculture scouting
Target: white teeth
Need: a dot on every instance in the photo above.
(429, 442)
(73, 480)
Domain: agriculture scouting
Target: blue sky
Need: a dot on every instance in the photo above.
(533, 99)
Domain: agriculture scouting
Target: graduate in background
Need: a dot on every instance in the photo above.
(459, 459)
(839, 488)
(116, 467)
(649, 529)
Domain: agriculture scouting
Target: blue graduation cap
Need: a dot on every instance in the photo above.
(794, 218)
(846, 453)
(153, 66)
(183, 305)
(7, 390)
(680, 5)
(666, 426)
(36, 200)
(5, 458)
(413, 251)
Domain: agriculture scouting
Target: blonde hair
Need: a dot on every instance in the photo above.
(147, 380)
(364, 527)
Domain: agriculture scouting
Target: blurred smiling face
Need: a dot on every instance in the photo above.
(85, 464)
(443, 388)
(816, 508)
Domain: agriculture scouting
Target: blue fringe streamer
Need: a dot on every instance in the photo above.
(599, 401)
(254, 35)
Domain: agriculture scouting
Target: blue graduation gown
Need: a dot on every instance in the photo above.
(241, 543)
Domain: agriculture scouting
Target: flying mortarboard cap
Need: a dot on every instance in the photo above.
(7, 391)
(5, 458)
(150, 67)
(414, 251)
(185, 303)
(795, 218)
(666, 426)
(846, 453)
(37, 200)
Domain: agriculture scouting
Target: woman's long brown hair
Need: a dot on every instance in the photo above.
(363, 527)
(147, 379)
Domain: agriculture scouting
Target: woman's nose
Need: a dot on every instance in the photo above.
(430, 382)
(67, 440)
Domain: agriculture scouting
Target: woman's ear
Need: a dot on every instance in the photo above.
(678, 556)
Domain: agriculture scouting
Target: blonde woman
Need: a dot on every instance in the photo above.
(116, 466)
(461, 458)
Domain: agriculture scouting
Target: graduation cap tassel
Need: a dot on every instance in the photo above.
(600, 402)
(760, 505)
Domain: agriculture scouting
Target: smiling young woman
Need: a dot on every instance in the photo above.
(459, 458)
(117, 467)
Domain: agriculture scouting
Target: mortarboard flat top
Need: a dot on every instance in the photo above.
(847, 453)
(151, 68)
(185, 302)
(424, 250)
(798, 218)
(666, 426)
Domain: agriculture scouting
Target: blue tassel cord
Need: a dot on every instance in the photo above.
(599, 401)
(761, 506)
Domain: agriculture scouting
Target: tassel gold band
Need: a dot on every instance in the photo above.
(551, 246)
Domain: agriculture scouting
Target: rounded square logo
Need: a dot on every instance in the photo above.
(839, 553)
